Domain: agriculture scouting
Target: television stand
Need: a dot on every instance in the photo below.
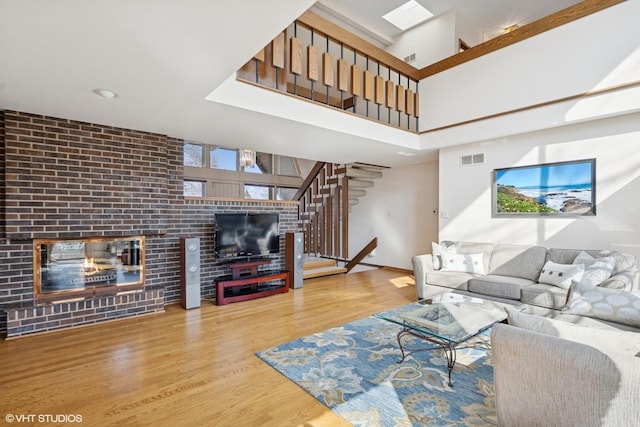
(246, 283)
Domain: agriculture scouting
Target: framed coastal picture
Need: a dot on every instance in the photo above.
(563, 188)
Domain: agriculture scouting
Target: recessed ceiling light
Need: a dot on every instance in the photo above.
(105, 93)
(405, 153)
(407, 15)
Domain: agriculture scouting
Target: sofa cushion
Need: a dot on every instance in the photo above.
(517, 261)
(624, 261)
(608, 340)
(594, 323)
(437, 251)
(464, 263)
(603, 303)
(561, 275)
(473, 248)
(544, 295)
(596, 270)
(449, 279)
(499, 286)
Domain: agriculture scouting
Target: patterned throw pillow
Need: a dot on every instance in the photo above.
(606, 304)
(463, 263)
(561, 275)
(596, 270)
(437, 251)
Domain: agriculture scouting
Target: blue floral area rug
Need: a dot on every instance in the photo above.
(353, 369)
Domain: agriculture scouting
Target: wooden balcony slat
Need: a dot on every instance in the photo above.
(327, 69)
(278, 57)
(400, 93)
(295, 55)
(343, 75)
(379, 90)
(313, 72)
(369, 90)
(356, 81)
(409, 102)
(390, 98)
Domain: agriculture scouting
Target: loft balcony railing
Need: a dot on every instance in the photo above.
(321, 62)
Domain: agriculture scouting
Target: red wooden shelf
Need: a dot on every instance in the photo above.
(254, 291)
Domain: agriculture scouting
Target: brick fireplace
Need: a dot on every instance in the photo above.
(71, 180)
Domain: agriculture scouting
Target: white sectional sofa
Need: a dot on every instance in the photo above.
(548, 372)
(512, 272)
(579, 364)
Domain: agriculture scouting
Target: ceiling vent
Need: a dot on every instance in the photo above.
(411, 58)
(472, 159)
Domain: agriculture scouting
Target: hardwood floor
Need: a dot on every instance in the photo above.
(195, 367)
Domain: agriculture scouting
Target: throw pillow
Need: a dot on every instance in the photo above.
(614, 305)
(463, 263)
(561, 275)
(610, 340)
(437, 251)
(596, 270)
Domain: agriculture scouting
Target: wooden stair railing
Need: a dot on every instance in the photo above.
(363, 253)
(323, 210)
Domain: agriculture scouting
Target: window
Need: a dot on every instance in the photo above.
(223, 159)
(286, 166)
(193, 188)
(285, 193)
(263, 164)
(259, 192)
(193, 155)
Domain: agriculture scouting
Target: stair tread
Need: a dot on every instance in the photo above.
(325, 271)
(317, 263)
(363, 173)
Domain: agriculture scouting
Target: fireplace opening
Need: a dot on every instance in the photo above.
(67, 269)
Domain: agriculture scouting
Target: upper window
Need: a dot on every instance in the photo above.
(193, 155)
(285, 193)
(193, 188)
(264, 164)
(260, 192)
(223, 158)
(286, 166)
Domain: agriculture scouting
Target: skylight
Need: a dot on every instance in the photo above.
(407, 15)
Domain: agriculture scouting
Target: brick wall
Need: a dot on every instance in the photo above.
(64, 178)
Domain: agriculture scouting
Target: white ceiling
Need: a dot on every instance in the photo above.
(491, 16)
(164, 57)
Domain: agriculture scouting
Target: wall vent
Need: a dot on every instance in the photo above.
(472, 159)
(411, 58)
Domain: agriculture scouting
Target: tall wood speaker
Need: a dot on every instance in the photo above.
(190, 272)
(293, 258)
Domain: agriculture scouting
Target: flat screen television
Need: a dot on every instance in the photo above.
(246, 234)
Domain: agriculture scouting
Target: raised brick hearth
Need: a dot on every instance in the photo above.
(69, 179)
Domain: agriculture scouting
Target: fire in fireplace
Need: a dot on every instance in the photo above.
(80, 268)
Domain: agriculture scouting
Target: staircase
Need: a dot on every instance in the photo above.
(361, 177)
(320, 267)
(326, 197)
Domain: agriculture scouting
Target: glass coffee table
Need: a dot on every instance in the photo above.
(446, 320)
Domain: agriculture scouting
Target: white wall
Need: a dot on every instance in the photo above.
(599, 51)
(397, 210)
(467, 30)
(431, 41)
(465, 192)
